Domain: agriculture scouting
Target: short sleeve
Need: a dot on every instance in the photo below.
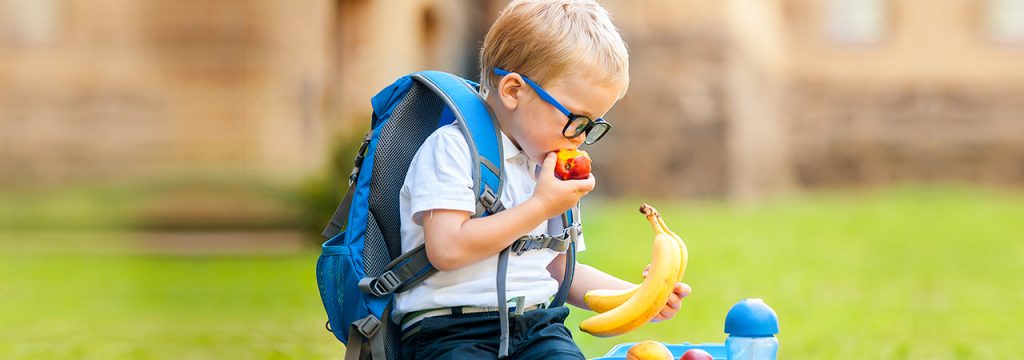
(440, 175)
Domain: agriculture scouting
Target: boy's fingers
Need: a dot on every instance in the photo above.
(673, 301)
(683, 289)
(548, 167)
(666, 313)
(588, 184)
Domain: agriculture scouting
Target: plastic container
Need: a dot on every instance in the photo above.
(618, 352)
(751, 325)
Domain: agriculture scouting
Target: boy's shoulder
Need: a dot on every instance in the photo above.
(445, 146)
(449, 131)
(448, 137)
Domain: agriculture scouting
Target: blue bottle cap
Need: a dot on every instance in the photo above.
(751, 318)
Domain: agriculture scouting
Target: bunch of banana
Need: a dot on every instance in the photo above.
(622, 311)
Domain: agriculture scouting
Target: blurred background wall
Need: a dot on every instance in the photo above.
(737, 99)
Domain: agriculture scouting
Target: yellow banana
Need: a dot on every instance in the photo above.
(651, 295)
(683, 253)
(602, 300)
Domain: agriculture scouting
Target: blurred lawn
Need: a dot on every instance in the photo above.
(896, 274)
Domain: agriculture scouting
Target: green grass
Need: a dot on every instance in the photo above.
(901, 274)
(69, 306)
(896, 274)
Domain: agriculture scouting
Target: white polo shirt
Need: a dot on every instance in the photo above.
(440, 177)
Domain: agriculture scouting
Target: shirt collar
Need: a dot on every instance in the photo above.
(511, 152)
(508, 148)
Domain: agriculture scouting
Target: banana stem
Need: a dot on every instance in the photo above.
(654, 218)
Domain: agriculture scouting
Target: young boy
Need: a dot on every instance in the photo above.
(550, 70)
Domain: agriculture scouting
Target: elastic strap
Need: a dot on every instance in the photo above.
(502, 310)
(340, 218)
(571, 224)
(366, 332)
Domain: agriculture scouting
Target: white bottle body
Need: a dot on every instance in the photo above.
(751, 348)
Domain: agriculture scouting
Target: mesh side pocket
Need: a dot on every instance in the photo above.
(339, 290)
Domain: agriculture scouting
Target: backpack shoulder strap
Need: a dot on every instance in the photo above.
(478, 125)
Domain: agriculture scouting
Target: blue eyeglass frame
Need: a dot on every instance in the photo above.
(572, 117)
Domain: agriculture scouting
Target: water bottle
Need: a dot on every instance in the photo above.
(751, 326)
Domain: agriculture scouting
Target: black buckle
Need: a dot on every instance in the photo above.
(387, 282)
(353, 175)
(568, 232)
(519, 246)
(360, 154)
(526, 243)
(367, 326)
(382, 285)
(488, 199)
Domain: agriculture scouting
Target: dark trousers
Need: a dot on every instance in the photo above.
(537, 334)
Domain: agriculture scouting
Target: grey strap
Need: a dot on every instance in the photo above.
(340, 218)
(488, 203)
(340, 215)
(520, 305)
(490, 165)
(559, 243)
(502, 304)
(568, 238)
(404, 272)
(363, 332)
(570, 257)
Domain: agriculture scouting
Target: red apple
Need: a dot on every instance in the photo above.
(696, 354)
(572, 164)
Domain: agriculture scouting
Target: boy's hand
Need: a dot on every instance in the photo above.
(680, 291)
(556, 195)
(671, 307)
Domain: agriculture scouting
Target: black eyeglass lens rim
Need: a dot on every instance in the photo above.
(587, 126)
(597, 131)
(580, 128)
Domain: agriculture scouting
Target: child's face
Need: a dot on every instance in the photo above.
(537, 125)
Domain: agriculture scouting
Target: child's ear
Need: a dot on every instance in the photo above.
(510, 88)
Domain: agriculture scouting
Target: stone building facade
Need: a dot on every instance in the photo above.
(735, 98)
(108, 90)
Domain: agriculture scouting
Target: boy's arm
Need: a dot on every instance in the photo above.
(454, 240)
(586, 278)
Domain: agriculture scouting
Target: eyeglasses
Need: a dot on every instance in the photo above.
(577, 124)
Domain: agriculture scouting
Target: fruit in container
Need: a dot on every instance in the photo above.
(696, 354)
(649, 350)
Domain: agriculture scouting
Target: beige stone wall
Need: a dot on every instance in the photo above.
(737, 98)
(703, 115)
(851, 135)
(670, 129)
(935, 97)
(939, 42)
(931, 96)
(376, 42)
(119, 89)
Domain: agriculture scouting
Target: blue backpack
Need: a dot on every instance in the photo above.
(362, 266)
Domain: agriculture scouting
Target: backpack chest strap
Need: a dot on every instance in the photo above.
(559, 243)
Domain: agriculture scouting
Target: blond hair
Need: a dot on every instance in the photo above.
(543, 39)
